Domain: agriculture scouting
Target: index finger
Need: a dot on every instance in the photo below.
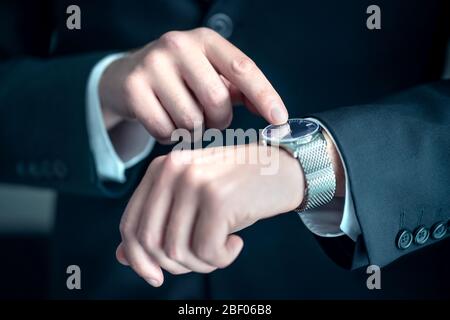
(242, 72)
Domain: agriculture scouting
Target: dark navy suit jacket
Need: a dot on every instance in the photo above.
(378, 91)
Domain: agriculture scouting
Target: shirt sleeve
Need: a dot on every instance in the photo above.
(338, 217)
(131, 142)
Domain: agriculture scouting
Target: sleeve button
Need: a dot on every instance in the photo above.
(439, 230)
(421, 235)
(404, 239)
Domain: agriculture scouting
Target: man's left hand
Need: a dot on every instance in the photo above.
(183, 215)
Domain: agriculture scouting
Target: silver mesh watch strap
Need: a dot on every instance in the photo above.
(319, 174)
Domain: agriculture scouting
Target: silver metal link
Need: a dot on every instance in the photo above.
(319, 174)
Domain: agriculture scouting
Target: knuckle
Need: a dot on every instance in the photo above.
(173, 251)
(217, 96)
(174, 40)
(179, 157)
(192, 176)
(242, 66)
(154, 58)
(148, 241)
(171, 164)
(205, 252)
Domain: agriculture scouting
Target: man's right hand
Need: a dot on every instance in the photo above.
(186, 79)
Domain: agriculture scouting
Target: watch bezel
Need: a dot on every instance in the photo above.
(297, 140)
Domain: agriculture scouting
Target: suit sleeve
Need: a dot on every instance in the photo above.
(397, 154)
(43, 134)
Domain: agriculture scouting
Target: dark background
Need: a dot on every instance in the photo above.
(26, 220)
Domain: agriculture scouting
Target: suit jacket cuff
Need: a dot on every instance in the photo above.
(338, 217)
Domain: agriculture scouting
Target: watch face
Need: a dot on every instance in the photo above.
(293, 130)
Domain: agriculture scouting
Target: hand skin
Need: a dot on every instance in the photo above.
(186, 79)
(183, 216)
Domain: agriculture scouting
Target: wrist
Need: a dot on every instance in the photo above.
(292, 173)
(110, 95)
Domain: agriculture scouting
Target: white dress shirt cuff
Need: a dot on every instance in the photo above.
(337, 217)
(116, 151)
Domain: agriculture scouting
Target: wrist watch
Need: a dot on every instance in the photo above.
(303, 139)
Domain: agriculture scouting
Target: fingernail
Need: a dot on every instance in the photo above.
(153, 282)
(278, 115)
(123, 262)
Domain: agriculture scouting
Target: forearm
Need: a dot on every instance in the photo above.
(390, 148)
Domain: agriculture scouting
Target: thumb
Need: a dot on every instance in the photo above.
(233, 247)
(120, 255)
